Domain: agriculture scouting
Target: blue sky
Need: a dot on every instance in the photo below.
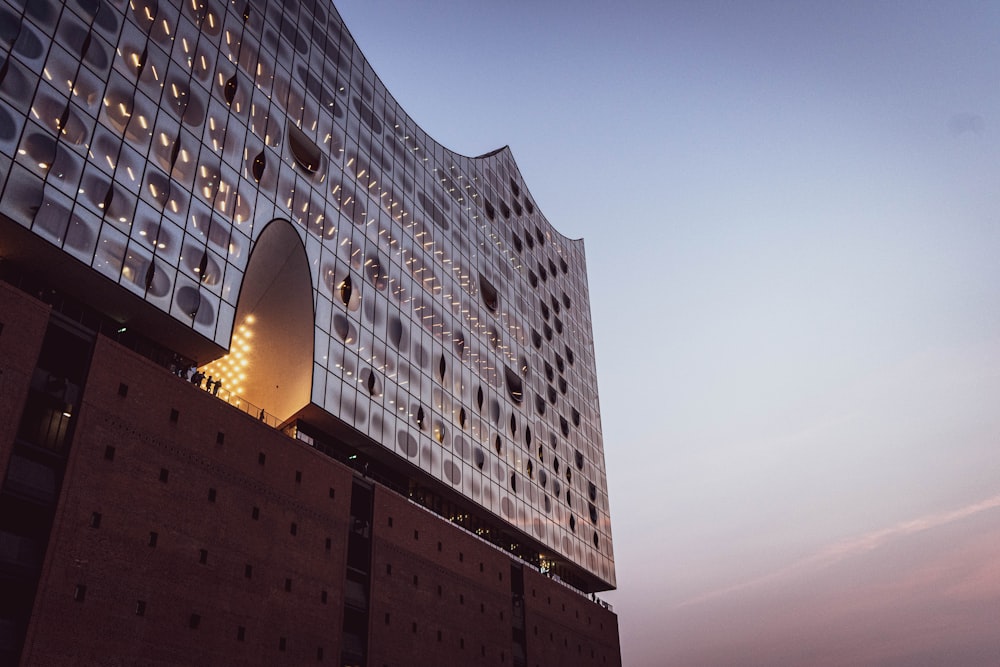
(792, 217)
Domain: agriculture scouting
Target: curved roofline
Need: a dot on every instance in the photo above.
(484, 156)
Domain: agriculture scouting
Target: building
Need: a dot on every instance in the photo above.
(391, 452)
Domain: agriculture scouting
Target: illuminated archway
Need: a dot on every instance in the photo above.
(270, 357)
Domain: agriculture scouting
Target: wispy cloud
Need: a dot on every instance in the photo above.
(854, 546)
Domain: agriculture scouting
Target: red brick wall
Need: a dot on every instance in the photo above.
(24, 321)
(566, 628)
(462, 590)
(119, 568)
(428, 576)
(474, 605)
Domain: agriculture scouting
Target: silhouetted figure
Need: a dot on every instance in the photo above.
(197, 378)
(218, 385)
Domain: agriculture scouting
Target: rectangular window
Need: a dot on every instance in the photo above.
(255, 514)
(298, 476)
(95, 520)
(261, 457)
(281, 643)
(416, 534)
(294, 529)
(80, 592)
(319, 653)
(220, 438)
(248, 570)
(203, 556)
(122, 389)
(194, 621)
(322, 597)
(439, 546)
(288, 585)
(140, 607)
(241, 633)
(174, 415)
(332, 492)
(211, 495)
(152, 539)
(109, 453)
(329, 543)
(164, 474)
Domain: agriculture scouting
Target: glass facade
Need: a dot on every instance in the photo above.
(153, 140)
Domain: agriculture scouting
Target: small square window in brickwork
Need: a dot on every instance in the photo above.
(95, 520)
(387, 618)
(220, 438)
(388, 568)
(241, 633)
(153, 537)
(122, 389)
(174, 415)
(248, 571)
(109, 453)
(329, 544)
(322, 597)
(298, 476)
(255, 513)
(390, 522)
(203, 556)
(211, 495)
(416, 534)
(282, 643)
(80, 592)
(261, 458)
(439, 546)
(333, 493)
(140, 607)
(294, 530)
(288, 585)
(164, 474)
(414, 626)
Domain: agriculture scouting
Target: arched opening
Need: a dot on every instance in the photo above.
(269, 363)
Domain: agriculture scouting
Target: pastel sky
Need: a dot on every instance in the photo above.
(792, 217)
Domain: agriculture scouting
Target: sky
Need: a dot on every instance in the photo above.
(792, 219)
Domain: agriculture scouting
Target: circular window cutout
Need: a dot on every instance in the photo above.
(307, 154)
